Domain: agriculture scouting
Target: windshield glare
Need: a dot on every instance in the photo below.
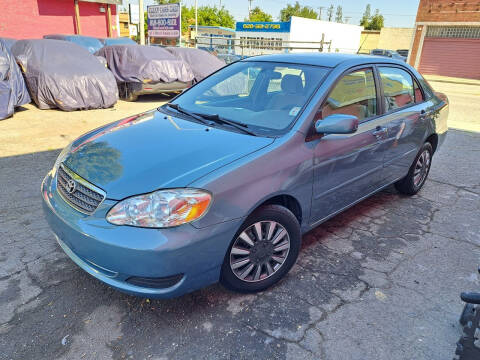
(266, 96)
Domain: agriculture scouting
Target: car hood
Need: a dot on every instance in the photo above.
(153, 150)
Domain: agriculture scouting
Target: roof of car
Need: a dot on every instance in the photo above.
(323, 59)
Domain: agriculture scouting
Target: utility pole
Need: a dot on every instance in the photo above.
(320, 8)
(196, 24)
(249, 8)
(142, 22)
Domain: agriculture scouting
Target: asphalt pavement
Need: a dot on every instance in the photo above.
(380, 281)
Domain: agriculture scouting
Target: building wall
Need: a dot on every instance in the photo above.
(396, 38)
(441, 13)
(124, 21)
(35, 18)
(251, 43)
(448, 10)
(369, 41)
(344, 37)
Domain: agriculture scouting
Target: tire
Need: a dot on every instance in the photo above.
(265, 262)
(127, 94)
(410, 184)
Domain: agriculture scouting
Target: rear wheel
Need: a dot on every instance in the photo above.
(413, 182)
(127, 94)
(263, 250)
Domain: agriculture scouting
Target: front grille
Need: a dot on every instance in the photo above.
(78, 192)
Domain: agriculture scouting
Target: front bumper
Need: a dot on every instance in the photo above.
(115, 254)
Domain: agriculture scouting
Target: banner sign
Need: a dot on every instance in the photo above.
(164, 20)
(263, 26)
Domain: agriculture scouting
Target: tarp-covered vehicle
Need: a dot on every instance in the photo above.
(143, 70)
(90, 43)
(117, 41)
(64, 75)
(8, 42)
(13, 91)
(201, 62)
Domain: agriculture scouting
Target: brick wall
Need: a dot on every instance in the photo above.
(448, 10)
(35, 18)
(442, 11)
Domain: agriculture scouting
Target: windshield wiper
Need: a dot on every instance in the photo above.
(186, 112)
(237, 125)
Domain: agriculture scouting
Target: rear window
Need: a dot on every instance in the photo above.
(397, 88)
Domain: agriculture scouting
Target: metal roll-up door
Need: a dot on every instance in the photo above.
(451, 51)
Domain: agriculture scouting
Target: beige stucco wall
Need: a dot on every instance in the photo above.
(369, 40)
(396, 38)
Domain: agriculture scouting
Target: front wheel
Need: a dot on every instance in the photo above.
(413, 182)
(263, 250)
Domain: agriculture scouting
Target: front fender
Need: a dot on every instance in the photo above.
(285, 168)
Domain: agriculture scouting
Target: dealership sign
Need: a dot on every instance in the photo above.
(263, 26)
(164, 20)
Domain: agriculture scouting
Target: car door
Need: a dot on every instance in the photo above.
(348, 167)
(404, 120)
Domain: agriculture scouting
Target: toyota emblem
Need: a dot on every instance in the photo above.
(71, 186)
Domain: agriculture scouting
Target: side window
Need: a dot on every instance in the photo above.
(354, 95)
(418, 93)
(397, 88)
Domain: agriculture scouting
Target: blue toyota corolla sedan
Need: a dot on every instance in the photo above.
(221, 183)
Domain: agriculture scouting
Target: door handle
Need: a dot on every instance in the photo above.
(379, 132)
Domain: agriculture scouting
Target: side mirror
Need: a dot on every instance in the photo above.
(337, 124)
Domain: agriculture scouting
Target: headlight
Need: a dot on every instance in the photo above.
(160, 209)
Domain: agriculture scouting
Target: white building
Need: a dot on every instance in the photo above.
(297, 35)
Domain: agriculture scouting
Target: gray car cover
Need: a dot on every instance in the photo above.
(13, 91)
(8, 42)
(144, 64)
(201, 62)
(64, 75)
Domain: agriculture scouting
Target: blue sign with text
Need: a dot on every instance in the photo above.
(263, 26)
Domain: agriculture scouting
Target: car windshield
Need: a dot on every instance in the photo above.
(264, 96)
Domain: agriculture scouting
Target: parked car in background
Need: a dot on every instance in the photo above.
(388, 53)
(8, 42)
(117, 41)
(403, 52)
(143, 70)
(61, 74)
(201, 62)
(13, 91)
(221, 185)
(90, 43)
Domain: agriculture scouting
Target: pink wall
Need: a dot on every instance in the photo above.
(35, 18)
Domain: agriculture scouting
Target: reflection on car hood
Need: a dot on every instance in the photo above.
(154, 150)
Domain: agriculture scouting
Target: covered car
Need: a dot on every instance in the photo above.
(8, 42)
(13, 91)
(142, 70)
(90, 43)
(64, 75)
(201, 62)
(117, 41)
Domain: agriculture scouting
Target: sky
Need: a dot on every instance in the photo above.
(397, 13)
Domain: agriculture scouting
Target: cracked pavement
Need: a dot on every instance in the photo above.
(380, 281)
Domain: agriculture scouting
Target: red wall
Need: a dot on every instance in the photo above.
(34, 18)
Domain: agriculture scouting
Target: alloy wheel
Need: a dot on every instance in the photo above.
(421, 168)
